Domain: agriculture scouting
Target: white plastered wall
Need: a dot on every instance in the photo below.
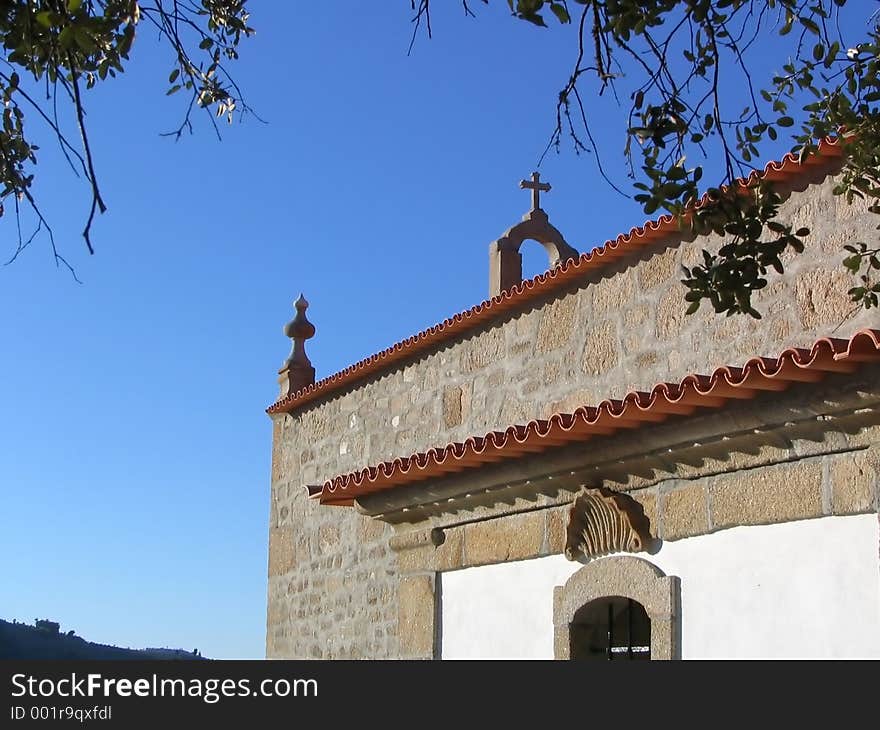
(807, 589)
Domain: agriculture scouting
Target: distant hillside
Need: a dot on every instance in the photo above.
(46, 641)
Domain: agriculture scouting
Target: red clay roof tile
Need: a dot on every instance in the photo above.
(827, 355)
(788, 169)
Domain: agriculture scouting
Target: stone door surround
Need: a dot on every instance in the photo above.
(628, 577)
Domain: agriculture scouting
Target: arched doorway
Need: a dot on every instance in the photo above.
(617, 605)
(611, 628)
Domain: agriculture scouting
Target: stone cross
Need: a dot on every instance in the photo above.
(536, 186)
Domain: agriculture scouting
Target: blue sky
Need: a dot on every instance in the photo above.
(134, 447)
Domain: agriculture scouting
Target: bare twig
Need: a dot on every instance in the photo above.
(97, 200)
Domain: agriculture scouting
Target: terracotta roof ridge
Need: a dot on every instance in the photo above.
(826, 355)
(541, 285)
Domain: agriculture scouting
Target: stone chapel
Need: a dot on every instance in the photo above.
(574, 469)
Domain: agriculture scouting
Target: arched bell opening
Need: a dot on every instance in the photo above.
(535, 259)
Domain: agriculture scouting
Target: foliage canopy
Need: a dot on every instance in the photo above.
(55, 50)
(673, 61)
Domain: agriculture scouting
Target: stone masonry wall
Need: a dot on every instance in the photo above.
(333, 580)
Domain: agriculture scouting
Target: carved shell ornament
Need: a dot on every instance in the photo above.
(602, 521)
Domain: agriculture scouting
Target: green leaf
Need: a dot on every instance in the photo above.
(810, 25)
(853, 263)
(66, 37)
(84, 40)
(124, 46)
(73, 5)
(560, 12)
(534, 18)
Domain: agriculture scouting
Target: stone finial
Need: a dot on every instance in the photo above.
(505, 260)
(297, 371)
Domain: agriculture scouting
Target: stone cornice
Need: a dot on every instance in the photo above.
(809, 412)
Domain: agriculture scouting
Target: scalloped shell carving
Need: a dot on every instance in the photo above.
(602, 521)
